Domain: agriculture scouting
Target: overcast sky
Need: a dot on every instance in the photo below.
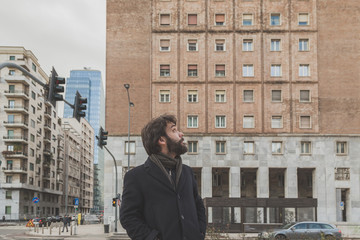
(66, 34)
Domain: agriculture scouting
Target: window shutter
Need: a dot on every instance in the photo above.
(192, 41)
(165, 19)
(220, 18)
(192, 67)
(303, 17)
(192, 19)
(248, 95)
(305, 122)
(220, 67)
(247, 16)
(164, 43)
(220, 41)
(276, 95)
(304, 95)
(165, 67)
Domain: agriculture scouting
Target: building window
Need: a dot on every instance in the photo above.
(11, 88)
(11, 72)
(132, 147)
(304, 95)
(12, 58)
(303, 45)
(276, 70)
(304, 70)
(33, 67)
(276, 147)
(165, 70)
(11, 103)
(192, 121)
(247, 45)
(192, 19)
(192, 147)
(192, 70)
(164, 96)
(11, 118)
(219, 19)
(33, 95)
(220, 96)
(8, 179)
(32, 122)
(341, 148)
(220, 70)
(248, 122)
(192, 96)
(220, 45)
(276, 122)
(192, 45)
(164, 19)
(31, 181)
(248, 96)
(276, 95)
(32, 137)
(275, 45)
(275, 19)
(247, 19)
(31, 166)
(249, 147)
(7, 209)
(33, 109)
(220, 147)
(220, 121)
(32, 152)
(8, 195)
(303, 19)
(305, 147)
(248, 70)
(305, 122)
(164, 45)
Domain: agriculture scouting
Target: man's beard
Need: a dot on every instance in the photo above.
(176, 147)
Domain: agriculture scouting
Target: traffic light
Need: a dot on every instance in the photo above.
(79, 106)
(114, 202)
(55, 88)
(102, 137)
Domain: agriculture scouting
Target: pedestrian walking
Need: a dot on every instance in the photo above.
(160, 199)
(65, 222)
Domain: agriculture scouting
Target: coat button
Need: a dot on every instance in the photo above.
(182, 217)
(179, 196)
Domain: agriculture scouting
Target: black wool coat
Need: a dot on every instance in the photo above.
(151, 208)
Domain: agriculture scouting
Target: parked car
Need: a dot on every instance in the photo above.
(58, 218)
(40, 221)
(304, 230)
(91, 219)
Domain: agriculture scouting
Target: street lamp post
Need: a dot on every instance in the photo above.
(131, 104)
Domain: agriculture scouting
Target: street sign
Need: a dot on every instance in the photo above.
(35, 200)
(341, 205)
(76, 202)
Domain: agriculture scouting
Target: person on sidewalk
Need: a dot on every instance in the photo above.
(160, 199)
(65, 222)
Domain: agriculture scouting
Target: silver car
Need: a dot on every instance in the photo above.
(304, 230)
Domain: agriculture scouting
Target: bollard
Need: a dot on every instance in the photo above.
(42, 229)
(59, 230)
(51, 226)
(37, 229)
(71, 230)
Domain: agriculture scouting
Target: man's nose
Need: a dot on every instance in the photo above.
(181, 134)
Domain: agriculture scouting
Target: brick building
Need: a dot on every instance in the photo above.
(266, 93)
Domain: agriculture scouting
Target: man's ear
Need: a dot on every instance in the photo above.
(162, 141)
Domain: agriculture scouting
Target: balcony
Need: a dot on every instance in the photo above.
(14, 154)
(59, 170)
(16, 109)
(46, 177)
(47, 114)
(17, 79)
(19, 138)
(47, 127)
(39, 106)
(60, 158)
(39, 119)
(16, 124)
(17, 94)
(47, 139)
(47, 152)
(14, 170)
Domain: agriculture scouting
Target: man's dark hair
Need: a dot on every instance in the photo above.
(152, 132)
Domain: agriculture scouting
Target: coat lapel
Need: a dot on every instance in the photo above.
(182, 180)
(155, 172)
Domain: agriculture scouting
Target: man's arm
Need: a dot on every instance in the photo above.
(131, 211)
(200, 208)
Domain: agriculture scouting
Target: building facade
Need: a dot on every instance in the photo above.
(79, 169)
(89, 84)
(265, 92)
(31, 159)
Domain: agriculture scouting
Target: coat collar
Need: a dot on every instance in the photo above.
(155, 172)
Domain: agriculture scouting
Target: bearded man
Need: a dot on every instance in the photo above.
(160, 198)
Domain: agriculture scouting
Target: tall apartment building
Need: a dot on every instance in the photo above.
(31, 159)
(266, 93)
(79, 168)
(90, 85)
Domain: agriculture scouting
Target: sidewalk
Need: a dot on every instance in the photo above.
(91, 231)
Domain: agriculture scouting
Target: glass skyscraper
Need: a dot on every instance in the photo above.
(89, 84)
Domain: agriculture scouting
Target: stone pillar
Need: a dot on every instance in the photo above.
(206, 182)
(262, 182)
(234, 182)
(291, 183)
